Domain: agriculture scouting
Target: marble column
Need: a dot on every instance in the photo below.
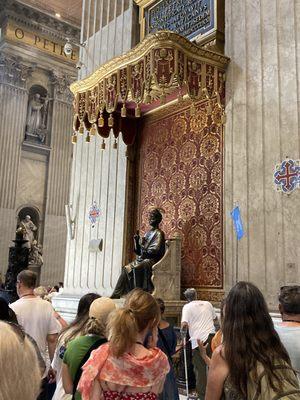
(101, 176)
(59, 171)
(13, 108)
(262, 105)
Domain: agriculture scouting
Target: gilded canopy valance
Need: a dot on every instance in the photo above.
(163, 67)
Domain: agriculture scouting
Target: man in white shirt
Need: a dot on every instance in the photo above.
(289, 329)
(36, 316)
(199, 318)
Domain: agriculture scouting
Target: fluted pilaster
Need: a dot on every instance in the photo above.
(58, 180)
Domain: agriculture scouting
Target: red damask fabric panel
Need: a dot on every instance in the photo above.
(181, 172)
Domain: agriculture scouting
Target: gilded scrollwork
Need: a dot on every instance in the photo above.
(163, 66)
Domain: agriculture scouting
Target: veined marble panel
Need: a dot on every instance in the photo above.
(32, 182)
(54, 251)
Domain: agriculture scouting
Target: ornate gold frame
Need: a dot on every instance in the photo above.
(162, 67)
(213, 39)
(159, 39)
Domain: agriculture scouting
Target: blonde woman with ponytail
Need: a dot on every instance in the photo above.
(124, 369)
(20, 375)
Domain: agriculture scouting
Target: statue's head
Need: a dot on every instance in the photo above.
(27, 218)
(155, 217)
(37, 96)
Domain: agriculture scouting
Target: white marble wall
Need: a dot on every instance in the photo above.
(262, 96)
(99, 175)
(113, 39)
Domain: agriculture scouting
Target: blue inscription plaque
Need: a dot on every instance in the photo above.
(189, 18)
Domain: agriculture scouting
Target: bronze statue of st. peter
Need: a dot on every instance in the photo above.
(149, 250)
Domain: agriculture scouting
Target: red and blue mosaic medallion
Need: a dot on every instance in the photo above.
(94, 213)
(287, 176)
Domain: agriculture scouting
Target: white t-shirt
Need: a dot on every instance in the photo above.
(290, 337)
(199, 315)
(36, 316)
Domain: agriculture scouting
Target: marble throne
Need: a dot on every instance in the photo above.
(166, 273)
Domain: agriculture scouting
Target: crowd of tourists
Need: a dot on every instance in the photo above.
(126, 353)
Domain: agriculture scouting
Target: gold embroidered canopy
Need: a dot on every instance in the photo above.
(163, 67)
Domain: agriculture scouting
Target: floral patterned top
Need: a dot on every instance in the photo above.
(127, 370)
(110, 395)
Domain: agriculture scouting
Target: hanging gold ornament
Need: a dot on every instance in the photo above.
(110, 121)
(137, 111)
(123, 111)
(101, 121)
(93, 130)
(224, 118)
(88, 138)
(148, 98)
(163, 98)
(103, 144)
(115, 145)
(81, 128)
(74, 138)
(193, 109)
(209, 107)
(180, 96)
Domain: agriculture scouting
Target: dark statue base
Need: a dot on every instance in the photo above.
(17, 262)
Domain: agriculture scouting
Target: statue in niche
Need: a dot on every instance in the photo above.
(149, 250)
(37, 116)
(36, 254)
(28, 231)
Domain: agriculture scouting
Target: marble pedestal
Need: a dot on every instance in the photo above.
(66, 305)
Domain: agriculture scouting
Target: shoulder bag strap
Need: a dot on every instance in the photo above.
(94, 346)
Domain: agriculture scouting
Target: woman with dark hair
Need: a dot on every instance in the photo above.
(124, 369)
(252, 362)
(167, 341)
(74, 330)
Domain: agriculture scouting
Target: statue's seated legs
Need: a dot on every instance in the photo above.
(135, 274)
(123, 285)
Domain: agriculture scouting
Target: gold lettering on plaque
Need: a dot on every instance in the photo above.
(55, 48)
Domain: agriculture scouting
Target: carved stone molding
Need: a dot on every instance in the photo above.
(37, 20)
(61, 83)
(13, 71)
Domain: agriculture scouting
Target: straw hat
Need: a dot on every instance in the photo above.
(101, 308)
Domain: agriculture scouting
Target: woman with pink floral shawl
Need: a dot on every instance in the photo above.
(124, 369)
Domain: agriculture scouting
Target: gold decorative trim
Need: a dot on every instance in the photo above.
(163, 67)
(159, 39)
